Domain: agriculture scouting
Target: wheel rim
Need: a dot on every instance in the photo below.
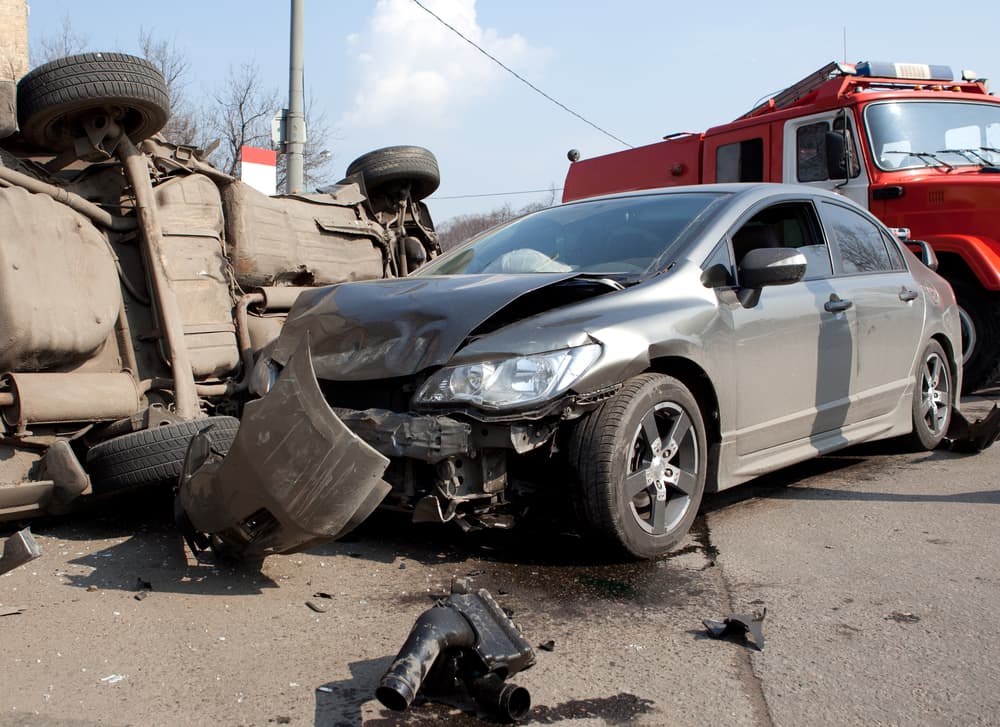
(935, 387)
(662, 470)
(968, 334)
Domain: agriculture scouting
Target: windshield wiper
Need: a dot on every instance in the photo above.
(972, 155)
(924, 156)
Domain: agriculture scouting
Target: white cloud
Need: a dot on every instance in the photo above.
(410, 65)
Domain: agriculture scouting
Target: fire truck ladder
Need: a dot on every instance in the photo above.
(804, 87)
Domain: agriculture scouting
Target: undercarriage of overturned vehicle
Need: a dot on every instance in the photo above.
(139, 284)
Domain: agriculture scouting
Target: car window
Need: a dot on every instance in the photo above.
(895, 254)
(789, 224)
(859, 240)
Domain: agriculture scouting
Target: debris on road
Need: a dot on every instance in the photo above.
(18, 549)
(738, 626)
(549, 645)
(465, 641)
(316, 607)
(11, 611)
(114, 678)
(903, 617)
(141, 595)
(973, 437)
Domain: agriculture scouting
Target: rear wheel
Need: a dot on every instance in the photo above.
(152, 456)
(980, 317)
(932, 397)
(641, 462)
(52, 99)
(392, 166)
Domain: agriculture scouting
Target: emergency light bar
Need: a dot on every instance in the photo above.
(908, 71)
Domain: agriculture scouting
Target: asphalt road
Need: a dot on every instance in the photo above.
(878, 570)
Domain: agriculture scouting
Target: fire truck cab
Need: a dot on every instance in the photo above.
(917, 148)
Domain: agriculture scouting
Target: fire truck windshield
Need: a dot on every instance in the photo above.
(948, 134)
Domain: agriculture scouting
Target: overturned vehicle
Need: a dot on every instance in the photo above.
(138, 283)
(621, 355)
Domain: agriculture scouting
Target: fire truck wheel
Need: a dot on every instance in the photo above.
(53, 98)
(152, 456)
(396, 166)
(980, 313)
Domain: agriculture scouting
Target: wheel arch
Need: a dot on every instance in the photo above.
(698, 382)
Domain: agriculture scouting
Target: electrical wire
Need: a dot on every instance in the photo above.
(500, 194)
(518, 76)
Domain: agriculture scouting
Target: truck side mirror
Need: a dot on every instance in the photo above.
(836, 158)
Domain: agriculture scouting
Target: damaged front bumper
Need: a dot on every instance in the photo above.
(295, 476)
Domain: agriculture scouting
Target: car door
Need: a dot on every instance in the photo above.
(889, 309)
(792, 352)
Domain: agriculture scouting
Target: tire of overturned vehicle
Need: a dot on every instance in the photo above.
(52, 98)
(980, 314)
(641, 463)
(152, 456)
(398, 165)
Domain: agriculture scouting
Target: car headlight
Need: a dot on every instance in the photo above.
(510, 382)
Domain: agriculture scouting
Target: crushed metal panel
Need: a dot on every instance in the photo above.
(391, 328)
(295, 474)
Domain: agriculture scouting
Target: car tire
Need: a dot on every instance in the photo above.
(613, 452)
(932, 397)
(51, 97)
(398, 165)
(152, 456)
(980, 313)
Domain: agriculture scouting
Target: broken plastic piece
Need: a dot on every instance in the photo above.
(467, 641)
(973, 437)
(739, 625)
(18, 549)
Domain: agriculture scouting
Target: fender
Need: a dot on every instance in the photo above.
(981, 254)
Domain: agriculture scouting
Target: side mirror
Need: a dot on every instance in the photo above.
(771, 266)
(768, 266)
(925, 252)
(836, 157)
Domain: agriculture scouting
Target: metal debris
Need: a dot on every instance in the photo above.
(465, 642)
(739, 626)
(316, 607)
(549, 645)
(973, 437)
(903, 617)
(18, 549)
(11, 610)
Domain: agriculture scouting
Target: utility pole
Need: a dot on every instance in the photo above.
(295, 119)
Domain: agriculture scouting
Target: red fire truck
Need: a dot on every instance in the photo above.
(917, 148)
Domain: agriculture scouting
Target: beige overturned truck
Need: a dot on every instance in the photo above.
(137, 282)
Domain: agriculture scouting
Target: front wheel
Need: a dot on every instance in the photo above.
(641, 463)
(932, 397)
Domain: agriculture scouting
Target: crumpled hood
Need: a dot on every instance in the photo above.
(388, 328)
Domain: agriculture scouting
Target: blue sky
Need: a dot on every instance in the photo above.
(386, 73)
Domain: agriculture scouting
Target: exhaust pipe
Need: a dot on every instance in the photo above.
(465, 639)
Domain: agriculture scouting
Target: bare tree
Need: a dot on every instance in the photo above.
(241, 116)
(65, 42)
(459, 229)
(183, 125)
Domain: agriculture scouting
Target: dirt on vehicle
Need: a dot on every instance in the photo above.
(138, 282)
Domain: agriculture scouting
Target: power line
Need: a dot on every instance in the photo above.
(501, 194)
(518, 76)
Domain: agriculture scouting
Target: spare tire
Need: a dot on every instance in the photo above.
(152, 456)
(398, 165)
(52, 97)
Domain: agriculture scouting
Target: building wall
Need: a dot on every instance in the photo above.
(13, 39)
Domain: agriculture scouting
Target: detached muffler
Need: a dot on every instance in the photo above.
(294, 477)
(465, 640)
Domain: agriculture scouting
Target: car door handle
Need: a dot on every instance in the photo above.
(907, 295)
(836, 305)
